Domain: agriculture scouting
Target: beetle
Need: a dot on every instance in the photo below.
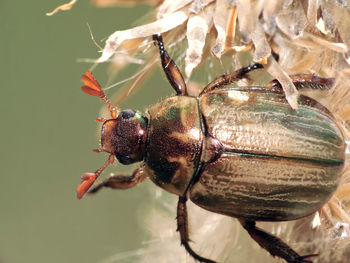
(238, 151)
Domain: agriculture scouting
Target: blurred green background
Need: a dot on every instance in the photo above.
(48, 131)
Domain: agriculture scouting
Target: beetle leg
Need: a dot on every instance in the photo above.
(230, 78)
(182, 227)
(274, 245)
(172, 72)
(305, 81)
(120, 181)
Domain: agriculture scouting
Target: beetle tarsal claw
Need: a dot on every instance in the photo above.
(304, 258)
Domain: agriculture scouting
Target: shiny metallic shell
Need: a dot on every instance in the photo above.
(174, 143)
(277, 163)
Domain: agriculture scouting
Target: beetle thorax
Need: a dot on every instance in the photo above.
(175, 140)
(125, 136)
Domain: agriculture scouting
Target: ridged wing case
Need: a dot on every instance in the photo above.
(278, 163)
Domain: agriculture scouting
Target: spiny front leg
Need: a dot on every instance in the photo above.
(171, 71)
(230, 78)
(182, 227)
(306, 81)
(274, 245)
(120, 181)
(301, 81)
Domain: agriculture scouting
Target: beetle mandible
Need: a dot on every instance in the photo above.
(240, 151)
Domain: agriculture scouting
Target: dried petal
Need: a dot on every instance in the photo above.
(159, 26)
(340, 15)
(231, 28)
(288, 87)
(222, 11)
(64, 7)
(292, 20)
(197, 29)
(107, 3)
(262, 47)
(199, 5)
(312, 11)
(170, 6)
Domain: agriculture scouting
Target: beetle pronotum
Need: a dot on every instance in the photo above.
(237, 151)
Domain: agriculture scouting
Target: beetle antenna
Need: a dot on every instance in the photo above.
(93, 88)
(88, 179)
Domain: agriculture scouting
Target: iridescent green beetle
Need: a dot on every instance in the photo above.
(241, 152)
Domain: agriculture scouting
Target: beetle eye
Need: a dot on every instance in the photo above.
(124, 159)
(127, 114)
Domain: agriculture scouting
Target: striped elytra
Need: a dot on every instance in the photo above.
(274, 164)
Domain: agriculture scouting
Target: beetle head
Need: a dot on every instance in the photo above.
(125, 136)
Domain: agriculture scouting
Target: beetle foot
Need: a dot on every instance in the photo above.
(196, 256)
(274, 245)
(303, 259)
(182, 227)
(120, 181)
